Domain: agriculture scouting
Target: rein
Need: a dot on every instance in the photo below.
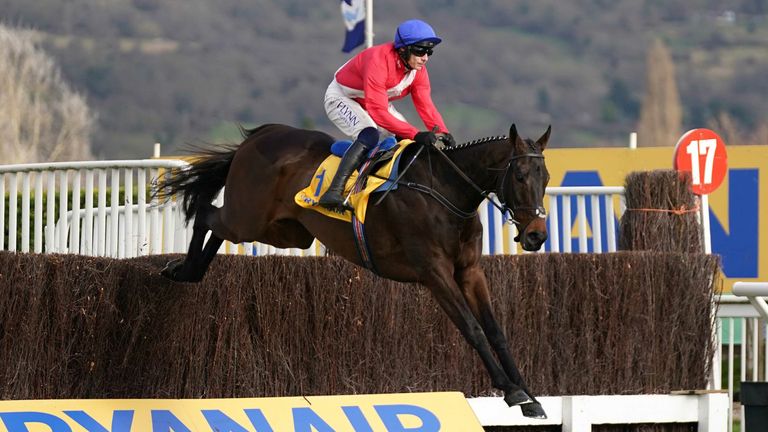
(503, 207)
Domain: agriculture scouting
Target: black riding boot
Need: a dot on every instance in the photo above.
(333, 198)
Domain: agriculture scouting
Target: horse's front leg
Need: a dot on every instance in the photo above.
(450, 298)
(474, 287)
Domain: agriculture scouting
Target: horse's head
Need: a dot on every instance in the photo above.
(521, 188)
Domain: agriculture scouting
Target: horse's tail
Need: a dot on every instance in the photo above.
(201, 181)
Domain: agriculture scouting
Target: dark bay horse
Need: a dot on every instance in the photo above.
(425, 231)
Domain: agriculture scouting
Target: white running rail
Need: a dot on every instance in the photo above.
(579, 413)
(93, 226)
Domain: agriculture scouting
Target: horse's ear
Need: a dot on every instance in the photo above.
(513, 133)
(544, 138)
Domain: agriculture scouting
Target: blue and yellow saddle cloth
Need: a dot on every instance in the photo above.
(384, 177)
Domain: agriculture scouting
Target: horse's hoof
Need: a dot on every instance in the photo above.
(171, 270)
(518, 397)
(533, 410)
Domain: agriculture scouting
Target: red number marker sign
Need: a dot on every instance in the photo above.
(701, 152)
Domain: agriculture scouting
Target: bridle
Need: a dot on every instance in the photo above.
(539, 211)
(504, 207)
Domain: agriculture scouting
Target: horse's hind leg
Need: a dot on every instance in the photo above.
(475, 289)
(193, 267)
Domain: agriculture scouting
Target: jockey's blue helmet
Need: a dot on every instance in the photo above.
(414, 31)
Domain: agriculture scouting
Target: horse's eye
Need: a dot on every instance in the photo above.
(519, 176)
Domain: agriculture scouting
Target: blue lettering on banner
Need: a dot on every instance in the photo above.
(121, 421)
(739, 248)
(17, 421)
(306, 420)
(395, 417)
(220, 422)
(357, 419)
(166, 421)
(390, 416)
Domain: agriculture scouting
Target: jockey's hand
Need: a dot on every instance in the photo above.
(427, 139)
(445, 140)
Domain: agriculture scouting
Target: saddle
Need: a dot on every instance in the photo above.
(378, 174)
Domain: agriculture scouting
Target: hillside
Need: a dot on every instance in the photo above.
(185, 71)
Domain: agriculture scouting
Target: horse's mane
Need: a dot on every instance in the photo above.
(476, 142)
(473, 143)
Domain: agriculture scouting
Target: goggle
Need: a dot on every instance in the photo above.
(419, 51)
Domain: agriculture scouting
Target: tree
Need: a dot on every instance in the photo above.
(41, 118)
(661, 114)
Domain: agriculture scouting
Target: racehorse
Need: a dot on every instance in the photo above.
(425, 231)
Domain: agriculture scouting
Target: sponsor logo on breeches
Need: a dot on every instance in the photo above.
(347, 114)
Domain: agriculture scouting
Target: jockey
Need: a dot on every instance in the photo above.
(358, 99)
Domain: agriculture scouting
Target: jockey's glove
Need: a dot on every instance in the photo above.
(445, 140)
(427, 138)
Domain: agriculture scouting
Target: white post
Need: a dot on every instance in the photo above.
(101, 237)
(576, 414)
(88, 248)
(633, 140)
(156, 151)
(610, 228)
(114, 208)
(705, 224)
(25, 213)
(141, 199)
(63, 209)
(2, 211)
(12, 216)
(38, 213)
(368, 23)
(581, 209)
(567, 224)
(127, 246)
(483, 210)
(713, 416)
(74, 241)
(554, 224)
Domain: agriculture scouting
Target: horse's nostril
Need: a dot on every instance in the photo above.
(538, 236)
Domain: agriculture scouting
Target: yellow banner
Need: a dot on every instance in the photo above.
(422, 412)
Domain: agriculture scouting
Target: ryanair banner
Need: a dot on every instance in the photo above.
(422, 412)
(739, 233)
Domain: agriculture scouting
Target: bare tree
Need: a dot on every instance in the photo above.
(41, 118)
(661, 113)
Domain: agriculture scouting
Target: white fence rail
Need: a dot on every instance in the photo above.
(94, 227)
(127, 227)
(742, 334)
(579, 413)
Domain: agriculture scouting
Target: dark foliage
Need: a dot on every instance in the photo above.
(178, 71)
